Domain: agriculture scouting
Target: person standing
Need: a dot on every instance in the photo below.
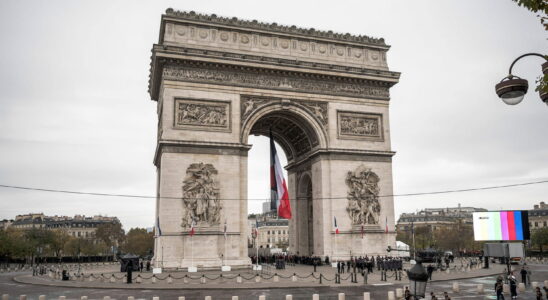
(523, 273)
(499, 289)
(407, 294)
(430, 270)
(538, 293)
(513, 285)
(338, 267)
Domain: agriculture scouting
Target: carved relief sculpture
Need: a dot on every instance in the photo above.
(363, 196)
(272, 81)
(360, 125)
(250, 104)
(318, 109)
(195, 114)
(201, 195)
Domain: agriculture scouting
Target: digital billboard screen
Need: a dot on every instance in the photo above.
(512, 225)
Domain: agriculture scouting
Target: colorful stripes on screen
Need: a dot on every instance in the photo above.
(501, 226)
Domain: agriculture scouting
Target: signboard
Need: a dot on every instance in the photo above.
(510, 225)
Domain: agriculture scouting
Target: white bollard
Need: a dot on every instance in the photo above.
(169, 280)
(42, 297)
(534, 284)
(139, 279)
(479, 288)
(505, 288)
(276, 278)
(203, 280)
(112, 278)
(315, 296)
(130, 298)
(288, 297)
(366, 296)
(391, 295)
(153, 279)
(84, 298)
(293, 278)
(456, 288)
(234, 297)
(5, 297)
(399, 293)
(341, 296)
(155, 298)
(106, 298)
(207, 298)
(23, 297)
(262, 297)
(239, 279)
(181, 298)
(62, 298)
(257, 278)
(521, 287)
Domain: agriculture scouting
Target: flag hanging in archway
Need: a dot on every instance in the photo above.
(279, 195)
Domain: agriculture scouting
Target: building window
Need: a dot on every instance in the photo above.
(536, 224)
(544, 223)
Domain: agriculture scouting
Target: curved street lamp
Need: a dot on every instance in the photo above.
(511, 89)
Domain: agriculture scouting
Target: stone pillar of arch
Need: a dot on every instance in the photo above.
(325, 97)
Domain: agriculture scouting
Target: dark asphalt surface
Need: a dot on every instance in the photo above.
(378, 292)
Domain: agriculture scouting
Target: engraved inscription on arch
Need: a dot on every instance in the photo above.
(352, 125)
(197, 114)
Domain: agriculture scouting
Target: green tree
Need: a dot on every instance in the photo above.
(139, 242)
(111, 234)
(536, 6)
(57, 243)
(540, 238)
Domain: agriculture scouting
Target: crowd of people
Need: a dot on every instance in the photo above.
(354, 264)
(512, 281)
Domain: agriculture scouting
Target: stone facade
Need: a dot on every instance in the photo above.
(538, 216)
(78, 226)
(325, 96)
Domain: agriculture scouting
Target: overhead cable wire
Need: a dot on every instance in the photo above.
(236, 199)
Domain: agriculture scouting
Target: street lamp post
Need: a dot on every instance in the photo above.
(511, 89)
(418, 277)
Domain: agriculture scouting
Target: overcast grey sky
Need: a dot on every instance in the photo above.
(75, 113)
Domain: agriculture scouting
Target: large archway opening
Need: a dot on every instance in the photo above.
(295, 140)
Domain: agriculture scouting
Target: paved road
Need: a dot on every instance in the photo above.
(468, 290)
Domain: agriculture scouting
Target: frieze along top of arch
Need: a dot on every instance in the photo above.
(274, 27)
(231, 35)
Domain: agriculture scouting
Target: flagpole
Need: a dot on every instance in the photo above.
(191, 253)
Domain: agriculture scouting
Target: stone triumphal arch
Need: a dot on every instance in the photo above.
(325, 96)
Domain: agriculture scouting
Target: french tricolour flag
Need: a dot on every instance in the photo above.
(192, 225)
(279, 199)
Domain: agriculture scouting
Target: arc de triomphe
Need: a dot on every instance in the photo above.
(325, 95)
